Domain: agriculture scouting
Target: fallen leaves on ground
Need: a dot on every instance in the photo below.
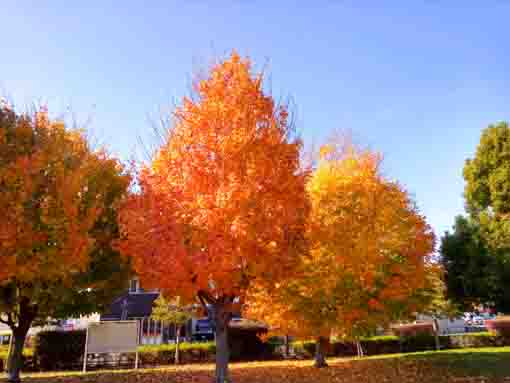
(404, 369)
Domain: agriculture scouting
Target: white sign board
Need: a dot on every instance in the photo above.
(112, 337)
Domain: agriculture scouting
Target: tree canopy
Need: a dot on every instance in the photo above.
(58, 198)
(475, 274)
(369, 255)
(476, 255)
(171, 311)
(222, 204)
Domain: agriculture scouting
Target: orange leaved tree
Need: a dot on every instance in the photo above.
(369, 255)
(222, 204)
(58, 202)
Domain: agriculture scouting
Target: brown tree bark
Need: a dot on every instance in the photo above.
(436, 334)
(26, 315)
(286, 347)
(15, 358)
(321, 344)
(219, 311)
(222, 319)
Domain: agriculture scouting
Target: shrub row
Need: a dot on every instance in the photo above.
(27, 357)
(394, 344)
(500, 325)
(64, 350)
(55, 350)
(189, 353)
(243, 347)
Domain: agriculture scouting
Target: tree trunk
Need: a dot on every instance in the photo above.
(286, 342)
(436, 334)
(222, 319)
(15, 358)
(320, 352)
(219, 311)
(177, 342)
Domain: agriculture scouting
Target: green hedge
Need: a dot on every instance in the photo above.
(482, 339)
(27, 356)
(3, 358)
(242, 347)
(246, 345)
(165, 353)
(55, 350)
(63, 350)
(394, 344)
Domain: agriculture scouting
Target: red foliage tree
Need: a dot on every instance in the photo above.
(223, 202)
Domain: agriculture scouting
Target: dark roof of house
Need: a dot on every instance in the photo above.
(137, 305)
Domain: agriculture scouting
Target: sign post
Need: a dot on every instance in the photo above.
(112, 337)
(86, 349)
(138, 328)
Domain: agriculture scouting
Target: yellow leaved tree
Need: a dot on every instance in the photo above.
(368, 259)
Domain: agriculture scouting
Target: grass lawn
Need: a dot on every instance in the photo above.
(467, 365)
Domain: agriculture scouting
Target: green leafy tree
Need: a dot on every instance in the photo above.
(487, 177)
(172, 312)
(58, 199)
(475, 273)
(476, 256)
(487, 190)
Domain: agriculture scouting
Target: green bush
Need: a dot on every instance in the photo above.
(377, 345)
(276, 340)
(56, 350)
(419, 342)
(482, 339)
(246, 345)
(393, 344)
(243, 346)
(304, 348)
(63, 350)
(184, 346)
(163, 354)
(3, 358)
(27, 358)
(371, 346)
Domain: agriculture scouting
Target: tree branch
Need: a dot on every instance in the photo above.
(205, 296)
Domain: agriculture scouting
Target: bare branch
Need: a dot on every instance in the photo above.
(204, 296)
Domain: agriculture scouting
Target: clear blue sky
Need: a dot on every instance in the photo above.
(416, 80)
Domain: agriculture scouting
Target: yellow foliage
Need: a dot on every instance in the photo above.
(367, 258)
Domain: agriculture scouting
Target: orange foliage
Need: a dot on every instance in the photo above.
(223, 201)
(50, 198)
(369, 256)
